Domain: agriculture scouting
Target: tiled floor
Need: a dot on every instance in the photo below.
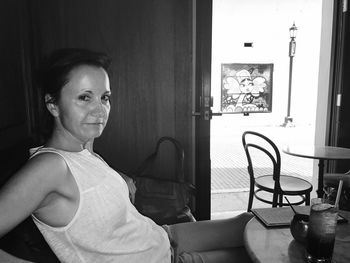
(230, 180)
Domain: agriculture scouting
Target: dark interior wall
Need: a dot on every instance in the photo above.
(14, 121)
(15, 86)
(150, 44)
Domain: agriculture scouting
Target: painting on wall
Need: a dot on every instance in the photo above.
(246, 88)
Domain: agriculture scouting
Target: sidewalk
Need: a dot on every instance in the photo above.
(230, 179)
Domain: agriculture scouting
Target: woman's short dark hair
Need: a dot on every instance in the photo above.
(55, 70)
(57, 66)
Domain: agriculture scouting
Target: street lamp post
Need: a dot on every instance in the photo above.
(288, 120)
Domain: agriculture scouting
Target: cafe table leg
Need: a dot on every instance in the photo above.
(320, 191)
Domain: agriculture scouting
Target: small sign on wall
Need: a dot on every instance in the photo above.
(246, 88)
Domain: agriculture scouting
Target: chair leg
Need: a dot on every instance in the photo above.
(251, 196)
(280, 201)
(307, 199)
(274, 199)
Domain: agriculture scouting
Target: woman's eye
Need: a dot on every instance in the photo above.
(84, 97)
(106, 97)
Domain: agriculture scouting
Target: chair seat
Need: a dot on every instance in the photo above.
(289, 184)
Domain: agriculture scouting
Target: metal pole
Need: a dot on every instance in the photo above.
(290, 86)
(288, 120)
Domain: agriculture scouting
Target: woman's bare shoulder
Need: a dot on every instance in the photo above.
(48, 167)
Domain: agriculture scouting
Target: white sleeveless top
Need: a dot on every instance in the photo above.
(106, 227)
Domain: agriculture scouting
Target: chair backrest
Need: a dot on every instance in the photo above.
(252, 139)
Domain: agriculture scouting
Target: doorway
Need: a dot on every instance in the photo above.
(247, 33)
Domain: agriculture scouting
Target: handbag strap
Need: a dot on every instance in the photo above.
(180, 156)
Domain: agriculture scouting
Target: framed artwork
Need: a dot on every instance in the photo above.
(246, 88)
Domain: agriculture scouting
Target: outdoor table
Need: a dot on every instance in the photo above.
(266, 245)
(322, 153)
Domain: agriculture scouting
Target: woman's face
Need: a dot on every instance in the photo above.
(83, 107)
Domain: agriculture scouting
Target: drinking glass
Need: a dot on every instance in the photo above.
(321, 231)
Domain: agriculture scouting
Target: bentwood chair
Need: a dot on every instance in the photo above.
(258, 146)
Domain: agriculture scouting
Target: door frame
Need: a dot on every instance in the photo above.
(336, 71)
(337, 121)
(203, 35)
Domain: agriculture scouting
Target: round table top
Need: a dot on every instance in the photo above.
(266, 245)
(318, 152)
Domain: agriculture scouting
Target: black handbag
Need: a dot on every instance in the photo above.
(165, 200)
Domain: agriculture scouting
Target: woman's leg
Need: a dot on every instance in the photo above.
(209, 235)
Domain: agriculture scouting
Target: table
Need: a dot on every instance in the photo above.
(322, 153)
(266, 245)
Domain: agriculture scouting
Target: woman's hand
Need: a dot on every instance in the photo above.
(131, 185)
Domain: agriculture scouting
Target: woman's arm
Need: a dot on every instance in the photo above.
(27, 189)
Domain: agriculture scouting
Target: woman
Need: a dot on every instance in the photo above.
(81, 205)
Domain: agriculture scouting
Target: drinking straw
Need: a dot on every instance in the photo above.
(338, 193)
(295, 212)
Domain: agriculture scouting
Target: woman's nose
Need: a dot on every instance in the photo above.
(99, 110)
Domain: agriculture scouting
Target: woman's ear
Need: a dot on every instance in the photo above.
(51, 105)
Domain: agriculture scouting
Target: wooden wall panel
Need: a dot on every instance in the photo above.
(150, 45)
